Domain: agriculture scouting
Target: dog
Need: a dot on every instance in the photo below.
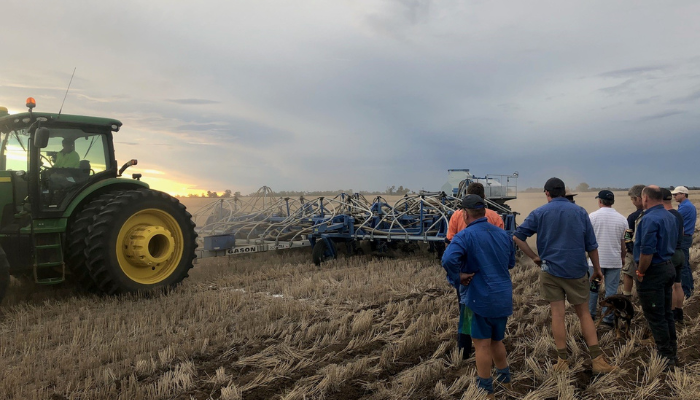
(623, 310)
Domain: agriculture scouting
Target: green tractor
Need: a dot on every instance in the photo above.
(66, 212)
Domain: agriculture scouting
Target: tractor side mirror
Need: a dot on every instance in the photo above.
(41, 138)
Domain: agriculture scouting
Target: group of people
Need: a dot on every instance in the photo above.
(576, 252)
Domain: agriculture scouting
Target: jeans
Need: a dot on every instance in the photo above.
(611, 277)
(686, 274)
(655, 297)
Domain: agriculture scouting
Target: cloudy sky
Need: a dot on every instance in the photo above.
(306, 95)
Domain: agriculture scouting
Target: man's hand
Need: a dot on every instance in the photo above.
(525, 248)
(465, 279)
(640, 278)
(597, 274)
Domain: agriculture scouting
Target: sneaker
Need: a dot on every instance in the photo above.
(600, 366)
(561, 365)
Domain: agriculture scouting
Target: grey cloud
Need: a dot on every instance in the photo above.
(623, 73)
(687, 99)
(660, 115)
(395, 92)
(648, 100)
(199, 128)
(622, 87)
(193, 101)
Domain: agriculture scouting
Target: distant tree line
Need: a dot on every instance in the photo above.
(214, 195)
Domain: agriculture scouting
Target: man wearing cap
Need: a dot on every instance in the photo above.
(689, 213)
(457, 223)
(654, 245)
(564, 236)
(457, 220)
(678, 259)
(630, 267)
(484, 253)
(67, 157)
(570, 196)
(609, 227)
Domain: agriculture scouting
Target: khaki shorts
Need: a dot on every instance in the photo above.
(553, 288)
(630, 267)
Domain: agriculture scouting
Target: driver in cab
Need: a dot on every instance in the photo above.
(68, 157)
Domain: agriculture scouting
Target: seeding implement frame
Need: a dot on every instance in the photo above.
(266, 223)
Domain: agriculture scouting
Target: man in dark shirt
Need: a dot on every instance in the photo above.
(654, 245)
(564, 236)
(678, 258)
(635, 194)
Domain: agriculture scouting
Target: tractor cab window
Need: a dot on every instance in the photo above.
(15, 150)
(69, 161)
(75, 149)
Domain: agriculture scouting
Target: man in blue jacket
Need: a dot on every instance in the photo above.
(483, 253)
(564, 236)
(689, 214)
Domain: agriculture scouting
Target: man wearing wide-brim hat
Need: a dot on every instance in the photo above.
(689, 213)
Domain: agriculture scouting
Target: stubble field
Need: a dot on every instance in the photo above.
(274, 326)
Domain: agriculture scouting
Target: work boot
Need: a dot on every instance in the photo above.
(600, 366)
(561, 365)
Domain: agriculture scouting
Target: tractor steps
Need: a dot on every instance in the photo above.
(48, 266)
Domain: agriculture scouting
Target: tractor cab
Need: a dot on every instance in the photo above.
(47, 159)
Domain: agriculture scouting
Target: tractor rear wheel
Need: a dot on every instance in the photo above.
(140, 241)
(4, 274)
(77, 235)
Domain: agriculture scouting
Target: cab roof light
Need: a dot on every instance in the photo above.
(31, 103)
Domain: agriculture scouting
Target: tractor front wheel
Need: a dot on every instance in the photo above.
(140, 241)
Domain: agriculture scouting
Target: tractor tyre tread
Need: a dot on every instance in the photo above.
(76, 242)
(103, 265)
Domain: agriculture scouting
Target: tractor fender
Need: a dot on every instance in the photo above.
(102, 187)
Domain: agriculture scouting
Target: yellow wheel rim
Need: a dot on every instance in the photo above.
(149, 246)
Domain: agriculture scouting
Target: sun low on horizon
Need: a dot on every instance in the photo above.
(174, 186)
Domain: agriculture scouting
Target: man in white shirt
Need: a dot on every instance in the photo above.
(609, 227)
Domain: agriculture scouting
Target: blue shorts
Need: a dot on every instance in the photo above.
(488, 328)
